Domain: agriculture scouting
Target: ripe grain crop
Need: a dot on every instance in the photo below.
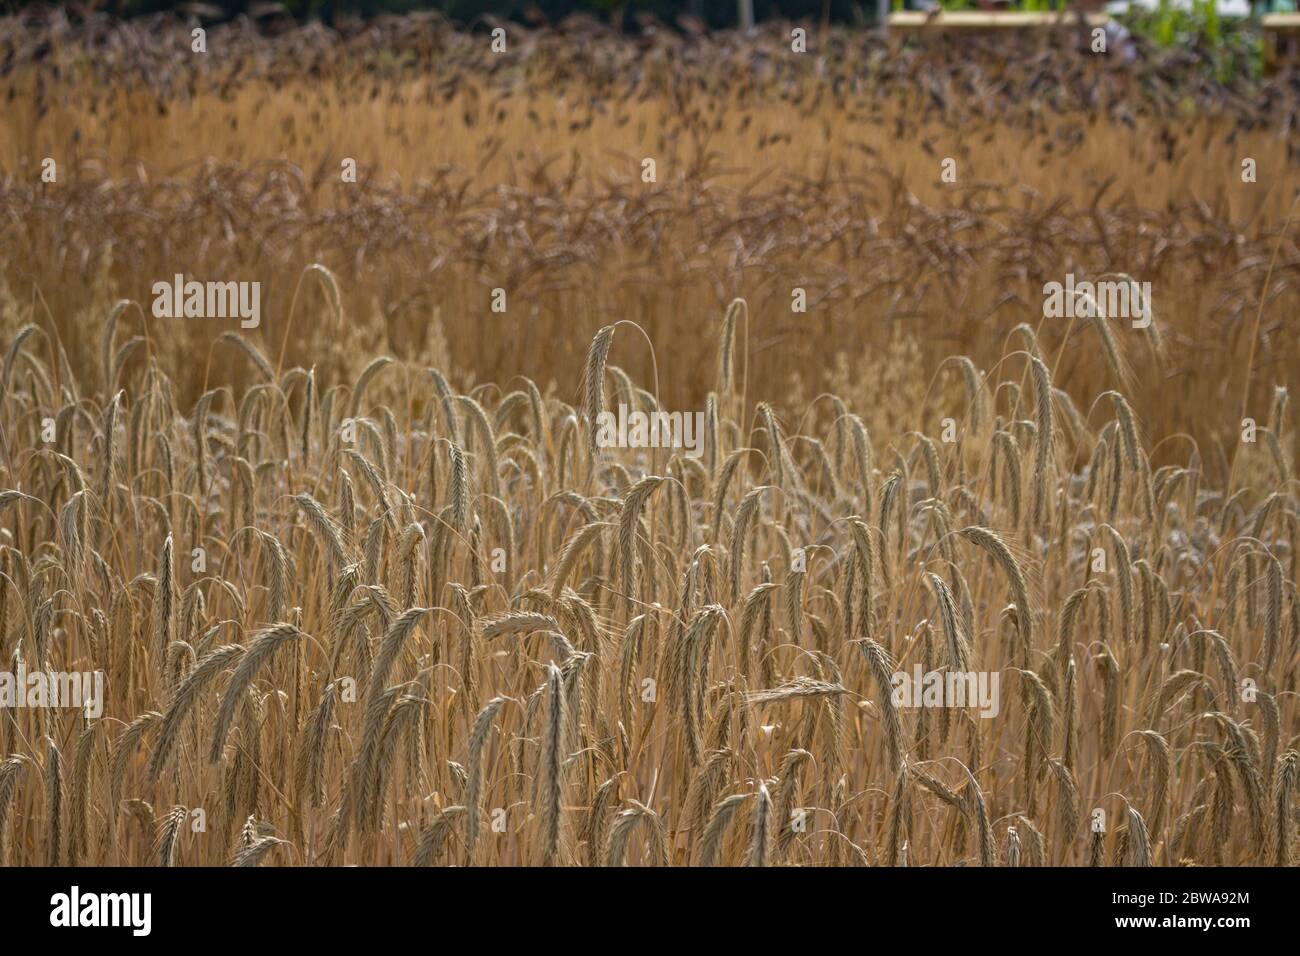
(339, 662)
(366, 587)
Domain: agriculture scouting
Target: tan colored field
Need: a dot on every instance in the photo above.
(366, 588)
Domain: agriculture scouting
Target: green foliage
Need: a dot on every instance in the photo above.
(1230, 47)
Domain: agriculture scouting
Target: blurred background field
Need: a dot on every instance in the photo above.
(774, 171)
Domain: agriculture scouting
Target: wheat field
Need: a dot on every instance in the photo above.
(366, 586)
